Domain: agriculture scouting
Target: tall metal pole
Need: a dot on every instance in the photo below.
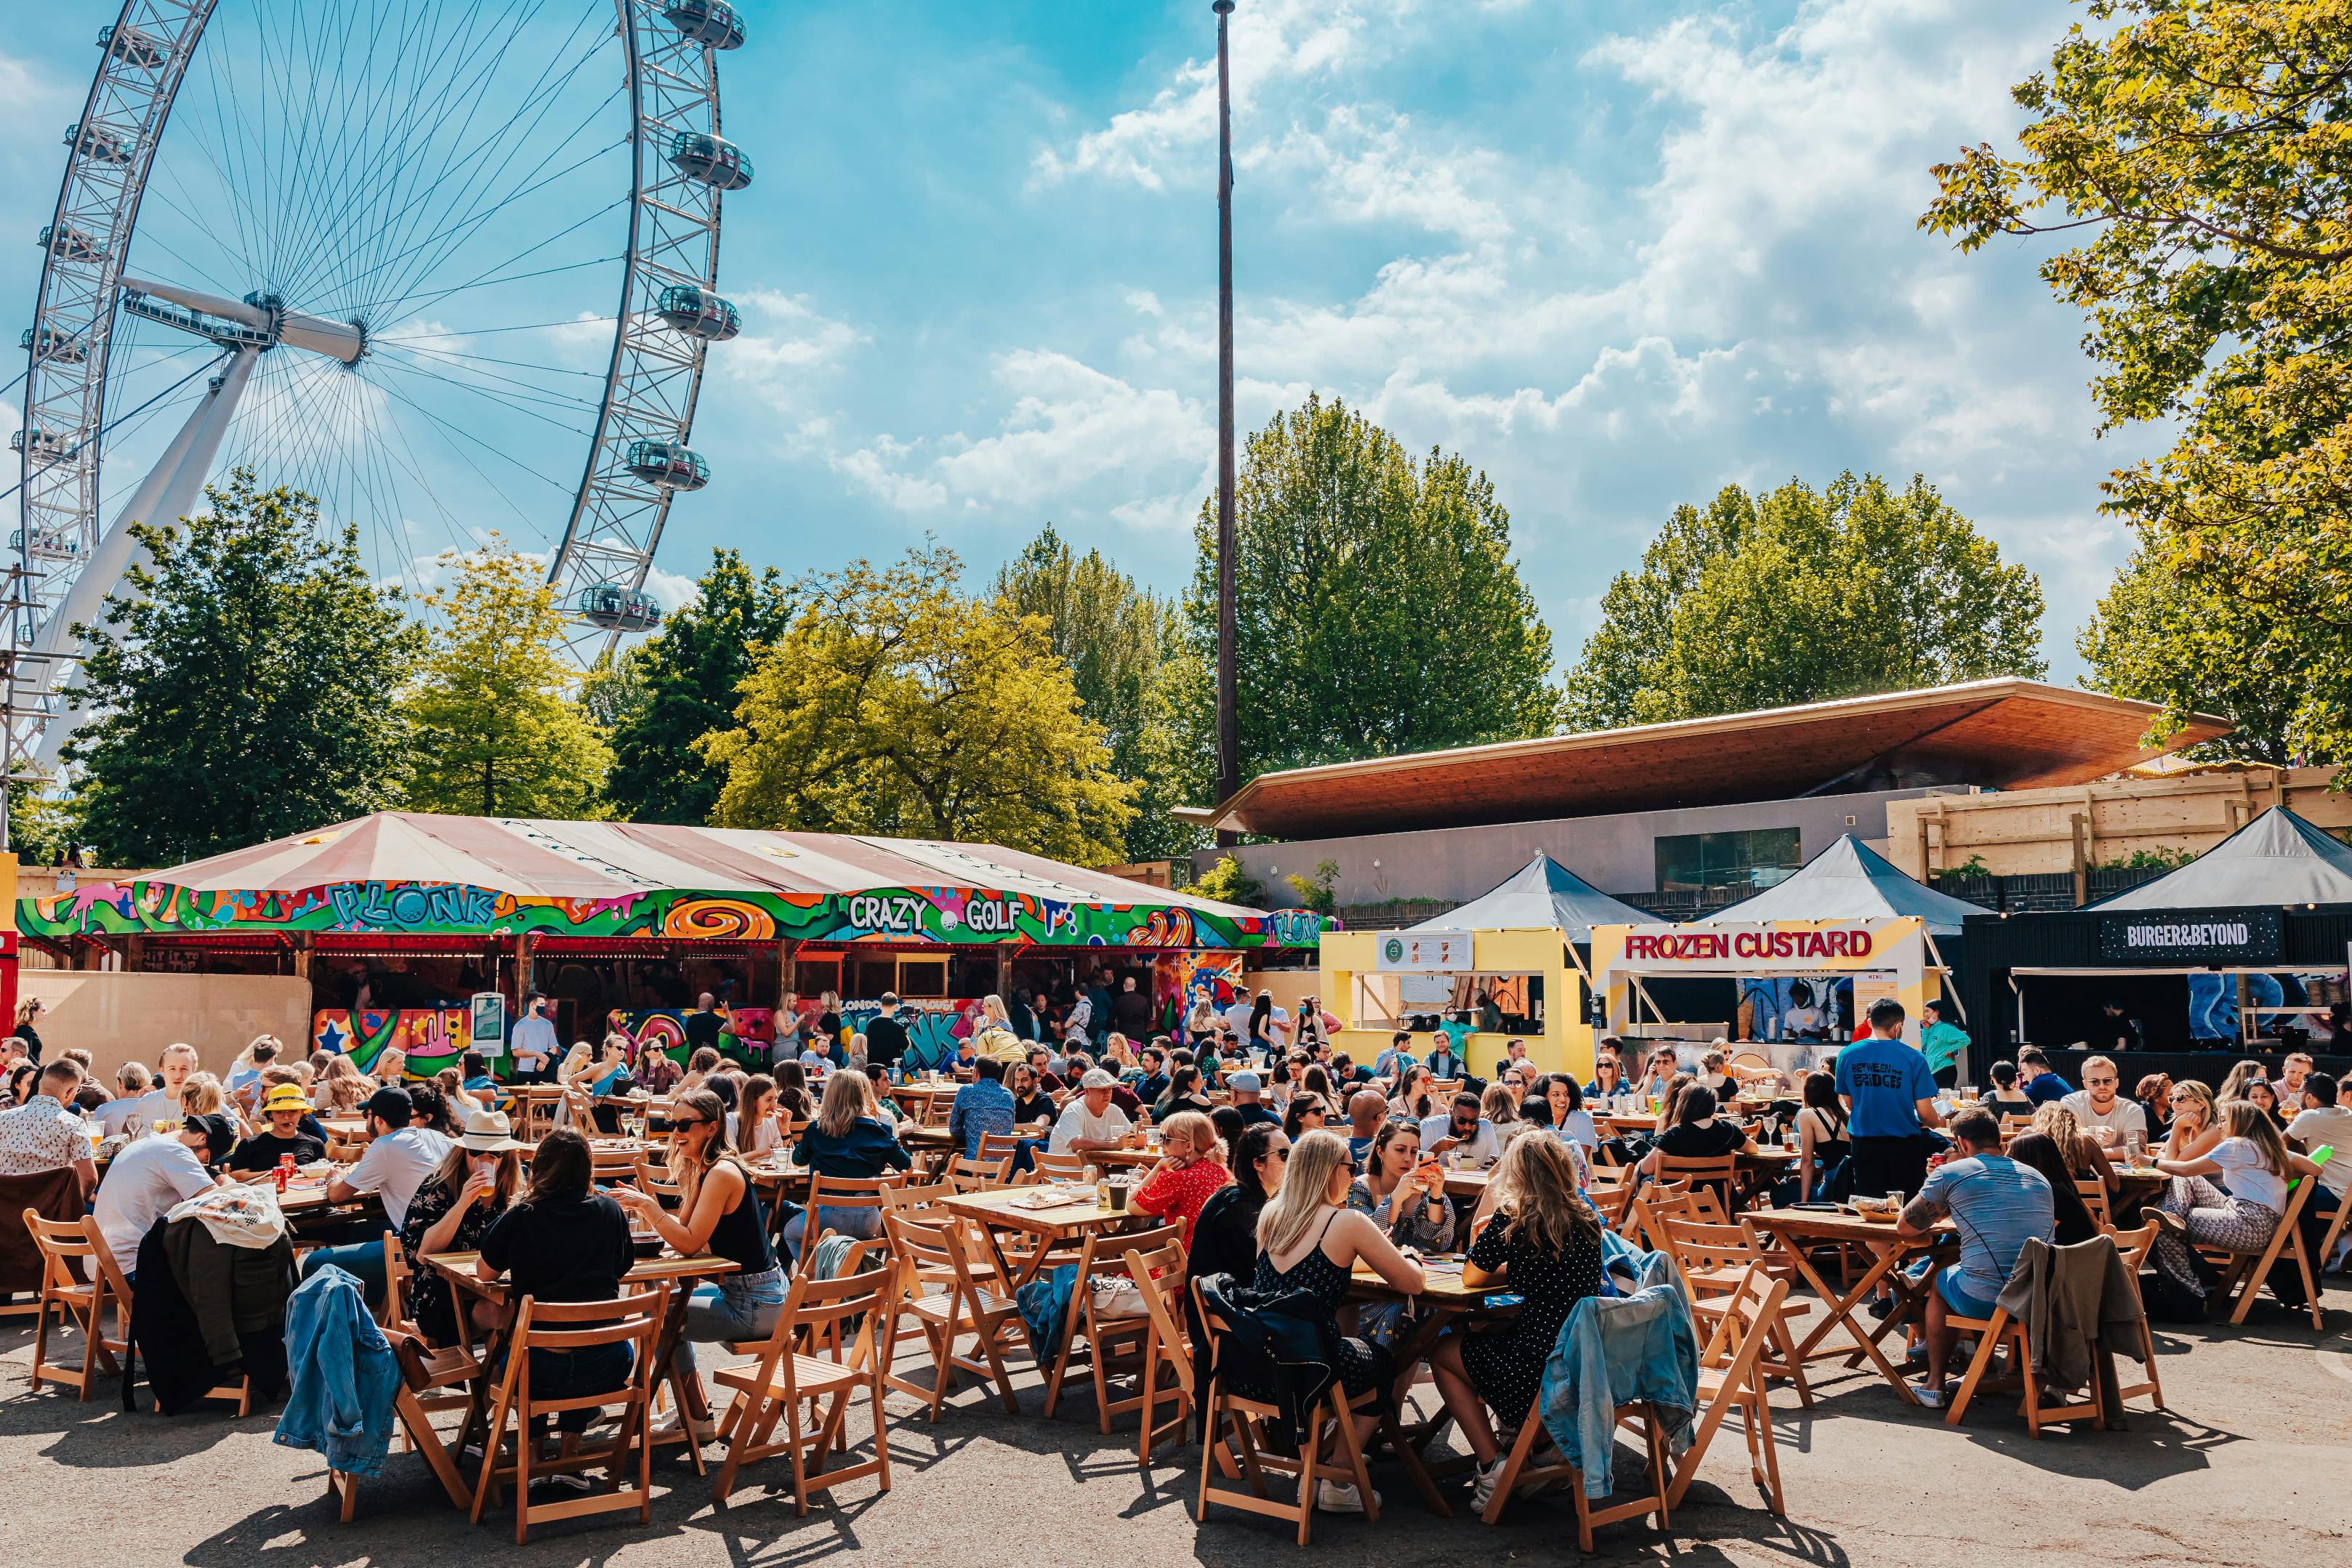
(1229, 750)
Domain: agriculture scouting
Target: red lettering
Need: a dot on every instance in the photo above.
(1639, 947)
(1858, 943)
(1836, 944)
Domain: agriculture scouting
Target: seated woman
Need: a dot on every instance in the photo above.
(1535, 1236)
(1400, 1195)
(2005, 1098)
(1822, 1141)
(2264, 1097)
(1415, 1101)
(1500, 1110)
(717, 1216)
(1184, 1094)
(2039, 1151)
(564, 1241)
(2256, 1163)
(2154, 1095)
(1307, 1113)
(1224, 1234)
(2081, 1152)
(843, 1141)
(1715, 1071)
(755, 1127)
(451, 1211)
(1570, 1121)
(792, 1101)
(1698, 1134)
(1308, 1242)
(1191, 1169)
(1607, 1083)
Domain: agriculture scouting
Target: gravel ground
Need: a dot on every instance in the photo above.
(2248, 1466)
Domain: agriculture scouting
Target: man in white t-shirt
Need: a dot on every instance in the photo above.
(1237, 1018)
(161, 1103)
(1090, 1122)
(2101, 1111)
(394, 1165)
(2325, 1120)
(534, 1043)
(154, 1174)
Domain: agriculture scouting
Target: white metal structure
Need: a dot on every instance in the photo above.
(375, 231)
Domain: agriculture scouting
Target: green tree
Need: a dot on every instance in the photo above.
(896, 704)
(497, 732)
(687, 674)
(1117, 640)
(1227, 883)
(2195, 153)
(237, 688)
(1378, 609)
(1801, 595)
(2155, 639)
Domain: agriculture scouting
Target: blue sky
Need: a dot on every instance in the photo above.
(1618, 256)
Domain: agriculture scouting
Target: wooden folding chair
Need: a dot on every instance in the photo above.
(1729, 1378)
(430, 1380)
(2094, 1195)
(1111, 1346)
(2243, 1273)
(914, 1196)
(1999, 1331)
(1047, 1167)
(965, 1173)
(1517, 1472)
(634, 1319)
(1718, 1178)
(655, 1179)
(817, 1312)
(974, 1301)
(2336, 1222)
(2134, 1246)
(1715, 1261)
(839, 1192)
(1235, 1441)
(82, 1302)
(1005, 1146)
(1159, 1274)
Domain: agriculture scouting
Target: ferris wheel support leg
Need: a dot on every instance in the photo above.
(167, 494)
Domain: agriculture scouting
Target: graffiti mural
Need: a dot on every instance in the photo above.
(664, 1030)
(432, 1038)
(1176, 975)
(945, 915)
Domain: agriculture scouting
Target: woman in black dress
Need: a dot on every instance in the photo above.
(1309, 1241)
(1537, 1238)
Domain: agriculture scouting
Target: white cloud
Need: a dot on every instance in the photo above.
(672, 591)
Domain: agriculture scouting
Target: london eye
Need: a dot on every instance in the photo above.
(448, 266)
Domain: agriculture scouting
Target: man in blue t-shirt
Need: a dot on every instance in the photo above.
(2041, 1084)
(1996, 1204)
(1890, 1098)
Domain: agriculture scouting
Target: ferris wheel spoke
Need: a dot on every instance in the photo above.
(448, 363)
(520, 405)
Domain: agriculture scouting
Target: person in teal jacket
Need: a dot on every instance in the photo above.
(1943, 1042)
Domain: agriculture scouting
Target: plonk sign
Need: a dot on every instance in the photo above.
(1892, 951)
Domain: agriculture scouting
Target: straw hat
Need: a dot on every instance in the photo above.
(488, 1133)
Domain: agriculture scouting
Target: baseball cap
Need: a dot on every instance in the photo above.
(1244, 1083)
(285, 1097)
(392, 1105)
(1096, 1078)
(219, 1136)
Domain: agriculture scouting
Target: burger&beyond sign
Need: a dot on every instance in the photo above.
(2194, 936)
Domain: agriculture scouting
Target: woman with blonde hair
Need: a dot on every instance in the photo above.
(843, 1141)
(1535, 1236)
(1192, 1168)
(2256, 1163)
(340, 1088)
(717, 1216)
(2196, 1121)
(2081, 1153)
(200, 1096)
(1309, 1241)
(390, 1067)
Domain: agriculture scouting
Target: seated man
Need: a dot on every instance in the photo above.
(1367, 1109)
(394, 1165)
(283, 1108)
(1462, 1130)
(2109, 1119)
(156, 1174)
(1248, 1102)
(982, 1108)
(1995, 1203)
(1090, 1122)
(47, 1132)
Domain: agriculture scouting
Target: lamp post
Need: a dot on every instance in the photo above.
(1228, 755)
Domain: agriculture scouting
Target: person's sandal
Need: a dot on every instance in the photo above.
(2171, 1223)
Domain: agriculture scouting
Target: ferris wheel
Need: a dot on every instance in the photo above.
(448, 266)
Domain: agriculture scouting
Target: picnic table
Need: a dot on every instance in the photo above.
(1443, 1301)
(1799, 1229)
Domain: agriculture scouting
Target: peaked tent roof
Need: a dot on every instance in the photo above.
(531, 858)
(2278, 858)
(1541, 892)
(1851, 881)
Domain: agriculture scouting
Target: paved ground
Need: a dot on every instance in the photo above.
(2250, 1465)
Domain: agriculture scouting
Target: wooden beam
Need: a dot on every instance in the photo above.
(2081, 825)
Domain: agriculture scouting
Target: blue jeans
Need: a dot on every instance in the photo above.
(739, 1307)
(572, 1373)
(858, 1222)
(362, 1259)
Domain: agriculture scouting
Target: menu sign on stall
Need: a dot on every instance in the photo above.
(1437, 951)
(2193, 937)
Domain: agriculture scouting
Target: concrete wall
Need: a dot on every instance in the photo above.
(120, 1017)
(1615, 854)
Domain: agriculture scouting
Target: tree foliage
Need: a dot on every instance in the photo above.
(687, 675)
(896, 704)
(2198, 152)
(239, 684)
(1120, 642)
(1800, 595)
(1378, 607)
(497, 732)
(2155, 639)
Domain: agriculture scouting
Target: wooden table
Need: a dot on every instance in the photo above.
(1799, 1228)
(1442, 1301)
(682, 1274)
(998, 1210)
(307, 1209)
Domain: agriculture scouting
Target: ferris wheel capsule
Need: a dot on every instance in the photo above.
(699, 313)
(97, 143)
(713, 160)
(612, 607)
(49, 343)
(668, 465)
(710, 22)
(68, 243)
(132, 47)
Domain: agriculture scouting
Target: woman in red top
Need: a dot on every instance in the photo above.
(1192, 1168)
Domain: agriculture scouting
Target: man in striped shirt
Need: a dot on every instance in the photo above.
(1995, 1203)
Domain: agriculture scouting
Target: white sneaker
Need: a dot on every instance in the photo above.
(1335, 1497)
(1487, 1477)
(1933, 1398)
(671, 1427)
